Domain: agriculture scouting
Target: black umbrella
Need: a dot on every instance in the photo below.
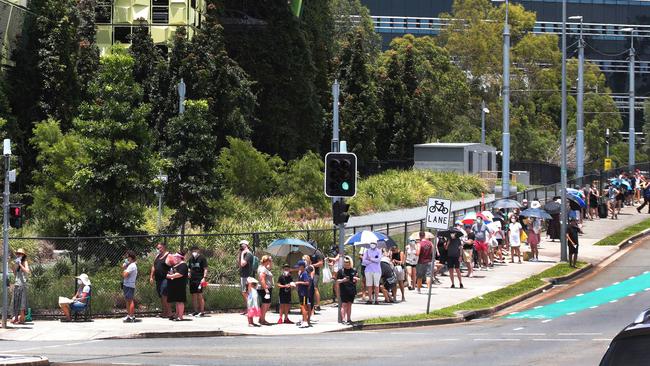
(536, 212)
(447, 233)
(506, 203)
(552, 207)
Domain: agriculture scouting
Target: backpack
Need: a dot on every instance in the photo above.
(255, 265)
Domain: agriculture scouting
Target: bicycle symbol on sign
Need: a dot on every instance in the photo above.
(439, 206)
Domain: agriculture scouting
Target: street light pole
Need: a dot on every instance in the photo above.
(505, 175)
(580, 137)
(484, 110)
(632, 134)
(5, 233)
(563, 170)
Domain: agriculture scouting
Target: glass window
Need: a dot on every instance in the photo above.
(160, 14)
(122, 34)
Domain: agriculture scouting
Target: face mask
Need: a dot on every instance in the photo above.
(78, 282)
(286, 273)
(373, 246)
(195, 254)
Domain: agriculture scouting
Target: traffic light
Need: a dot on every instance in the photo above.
(340, 174)
(16, 215)
(340, 213)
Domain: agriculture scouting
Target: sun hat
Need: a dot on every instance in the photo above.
(535, 204)
(251, 280)
(84, 279)
(21, 251)
(243, 242)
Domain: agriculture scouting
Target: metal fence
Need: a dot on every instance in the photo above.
(56, 261)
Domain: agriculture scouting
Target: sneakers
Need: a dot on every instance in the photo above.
(461, 286)
(195, 314)
(128, 319)
(200, 315)
(303, 325)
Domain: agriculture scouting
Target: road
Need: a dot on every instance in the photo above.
(576, 333)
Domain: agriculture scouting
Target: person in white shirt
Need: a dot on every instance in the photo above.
(514, 237)
(129, 275)
(411, 263)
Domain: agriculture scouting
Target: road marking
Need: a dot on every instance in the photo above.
(547, 320)
(538, 307)
(630, 295)
(555, 339)
(516, 312)
(593, 307)
(525, 334)
(613, 301)
(578, 295)
(497, 339)
(520, 328)
(631, 278)
(646, 289)
(477, 334)
(52, 346)
(571, 313)
(598, 289)
(579, 334)
(559, 301)
(615, 283)
(601, 339)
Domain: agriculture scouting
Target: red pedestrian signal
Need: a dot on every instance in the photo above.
(16, 215)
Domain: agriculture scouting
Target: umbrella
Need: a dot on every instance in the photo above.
(416, 235)
(577, 200)
(488, 215)
(469, 218)
(576, 192)
(364, 238)
(447, 233)
(506, 203)
(552, 207)
(536, 212)
(620, 182)
(282, 247)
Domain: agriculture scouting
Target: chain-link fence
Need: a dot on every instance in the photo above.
(56, 261)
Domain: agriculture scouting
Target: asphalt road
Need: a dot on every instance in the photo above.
(580, 338)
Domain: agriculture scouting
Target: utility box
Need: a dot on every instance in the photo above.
(468, 158)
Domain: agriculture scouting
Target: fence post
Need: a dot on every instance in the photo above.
(77, 248)
(256, 241)
(421, 225)
(406, 237)
(308, 235)
(387, 229)
(334, 237)
(372, 227)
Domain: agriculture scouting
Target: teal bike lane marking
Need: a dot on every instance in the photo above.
(585, 301)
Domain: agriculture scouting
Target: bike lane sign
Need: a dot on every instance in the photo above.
(438, 214)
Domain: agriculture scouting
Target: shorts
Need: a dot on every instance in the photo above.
(453, 262)
(316, 279)
(347, 295)
(243, 284)
(161, 287)
(423, 270)
(373, 278)
(500, 242)
(399, 273)
(129, 292)
(261, 293)
(285, 298)
(194, 286)
(573, 249)
(304, 300)
(77, 306)
(480, 246)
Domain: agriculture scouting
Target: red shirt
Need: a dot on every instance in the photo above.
(426, 252)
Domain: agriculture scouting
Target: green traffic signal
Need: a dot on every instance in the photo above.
(345, 186)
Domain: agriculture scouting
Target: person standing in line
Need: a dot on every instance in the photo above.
(198, 279)
(572, 242)
(158, 274)
(593, 201)
(480, 231)
(397, 257)
(362, 270)
(425, 255)
(317, 262)
(534, 237)
(21, 270)
(468, 251)
(347, 279)
(252, 302)
(245, 262)
(411, 263)
(454, 248)
(284, 283)
(177, 284)
(646, 197)
(302, 285)
(371, 259)
(129, 276)
(265, 293)
(333, 263)
(514, 228)
(612, 194)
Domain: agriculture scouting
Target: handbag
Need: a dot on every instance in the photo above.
(327, 275)
(523, 236)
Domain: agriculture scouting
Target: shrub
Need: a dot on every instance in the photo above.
(304, 183)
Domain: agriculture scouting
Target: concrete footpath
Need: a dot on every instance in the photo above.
(326, 321)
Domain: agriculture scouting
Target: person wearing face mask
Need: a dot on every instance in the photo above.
(347, 279)
(265, 291)
(21, 270)
(372, 259)
(79, 301)
(514, 237)
(129, 275)
(284, 283)
(198, 279)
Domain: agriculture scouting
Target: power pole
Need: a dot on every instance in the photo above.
(563, 170)
(580, 137)
(505, 175)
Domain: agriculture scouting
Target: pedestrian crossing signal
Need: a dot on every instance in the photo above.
(16, 215)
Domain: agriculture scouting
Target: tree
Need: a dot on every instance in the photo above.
(88, 59)
(193, 184)
(146, 58)
(304, 183)
(212, 75)
(359, 111)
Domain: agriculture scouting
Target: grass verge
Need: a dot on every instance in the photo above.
(619, 236)
(488, 300)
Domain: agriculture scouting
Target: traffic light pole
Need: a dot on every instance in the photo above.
(335, 148)
(5, 241)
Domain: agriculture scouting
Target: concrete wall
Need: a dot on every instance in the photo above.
(440, 166)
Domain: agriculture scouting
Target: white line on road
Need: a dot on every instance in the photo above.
(547, 320)
(593, 307)
(537, 307)
(646, 289)
(579, 334)
(601, 339)
(525, 334)
(630, 295)
(578, 295)
(555, 339)
(53, 346)
(514, 312)
(497, 339)
(613, 301)
(571, 313)
(520, 328)
(615, 283)
(559, 301)
(598, 289)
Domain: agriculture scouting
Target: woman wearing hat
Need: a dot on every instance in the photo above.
(21, 270)
(80, 299)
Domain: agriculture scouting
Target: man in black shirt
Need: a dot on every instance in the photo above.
(245, 262)
(317, 260)
(198, 279)
(572, 241)
(454, 248)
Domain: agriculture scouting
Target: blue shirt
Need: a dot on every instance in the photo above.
(303, 290)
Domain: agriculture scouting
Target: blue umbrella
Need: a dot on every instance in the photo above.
(577, 199)
(536, 212)
(364, 238)
(620, 182)
(282, 247)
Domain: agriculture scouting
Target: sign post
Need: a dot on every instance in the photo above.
(438, 218)
(608, 164)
